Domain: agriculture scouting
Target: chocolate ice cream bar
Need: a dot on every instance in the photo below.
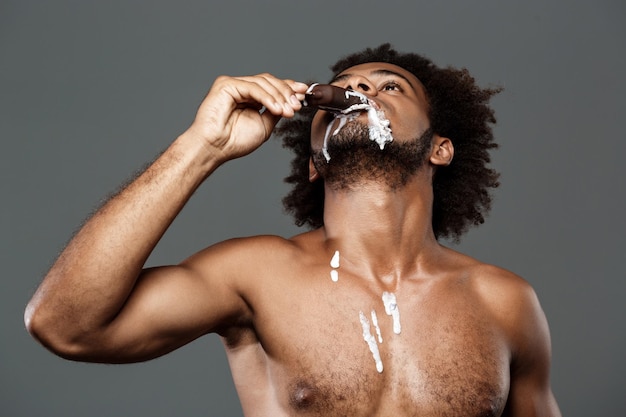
(334, 99)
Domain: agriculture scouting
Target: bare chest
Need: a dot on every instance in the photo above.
(358, 353)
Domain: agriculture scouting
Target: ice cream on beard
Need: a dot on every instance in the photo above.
(346, 105)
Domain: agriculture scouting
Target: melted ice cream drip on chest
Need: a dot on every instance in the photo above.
(371, 341)
(391, 308)
(377, 327)
(379, 130)
(334, 263)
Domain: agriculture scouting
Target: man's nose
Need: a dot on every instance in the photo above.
(362, 85)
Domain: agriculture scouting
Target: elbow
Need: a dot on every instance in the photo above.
(32, 321)
(51, 334)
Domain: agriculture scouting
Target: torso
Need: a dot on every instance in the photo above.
(305, 353)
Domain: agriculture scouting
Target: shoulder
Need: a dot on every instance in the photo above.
(242, 251)
(249, 255)
(506, 292)
(496, 286)
(507, 298)
(513, 303)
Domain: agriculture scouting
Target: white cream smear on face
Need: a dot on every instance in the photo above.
(379, 130)
(391, 308)
(371, 341)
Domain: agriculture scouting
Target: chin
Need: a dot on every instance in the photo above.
(355, 159)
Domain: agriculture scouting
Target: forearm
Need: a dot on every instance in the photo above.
(89, 283)
(90, 299)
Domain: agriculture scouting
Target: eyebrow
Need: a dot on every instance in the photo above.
(375, 72)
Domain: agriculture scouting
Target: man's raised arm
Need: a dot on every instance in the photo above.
(97, 303)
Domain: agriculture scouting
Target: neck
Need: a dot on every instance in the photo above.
(381, 233)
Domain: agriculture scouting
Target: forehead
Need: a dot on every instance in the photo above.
(382, 68)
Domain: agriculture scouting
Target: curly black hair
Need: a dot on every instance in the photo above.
(458, 110)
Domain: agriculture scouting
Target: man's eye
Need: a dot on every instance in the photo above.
(392, 86)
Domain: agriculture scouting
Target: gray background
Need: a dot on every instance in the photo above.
(90, 91)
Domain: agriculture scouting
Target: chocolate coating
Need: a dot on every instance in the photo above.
(331, 98)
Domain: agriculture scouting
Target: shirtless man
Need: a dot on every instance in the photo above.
(367, 314)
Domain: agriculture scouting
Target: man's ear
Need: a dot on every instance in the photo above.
(313, 174)
(442, 152)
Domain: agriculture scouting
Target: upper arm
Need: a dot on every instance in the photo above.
(530, 394)
(173, 305)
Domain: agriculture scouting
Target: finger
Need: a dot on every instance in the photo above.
(255, 92)
(277, 91)
(297, 86)
(285, 92)
(296, 90)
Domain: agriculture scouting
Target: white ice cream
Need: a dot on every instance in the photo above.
(377, 327)
(334, 262)
(379, 130)
(371, 341)
(391, 308)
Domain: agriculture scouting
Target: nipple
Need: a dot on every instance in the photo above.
(302, 396)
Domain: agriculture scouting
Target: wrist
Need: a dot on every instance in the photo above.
(194, 152)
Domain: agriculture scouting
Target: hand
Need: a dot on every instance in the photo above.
(230, 119)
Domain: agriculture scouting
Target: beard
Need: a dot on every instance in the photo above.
(355, 159)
